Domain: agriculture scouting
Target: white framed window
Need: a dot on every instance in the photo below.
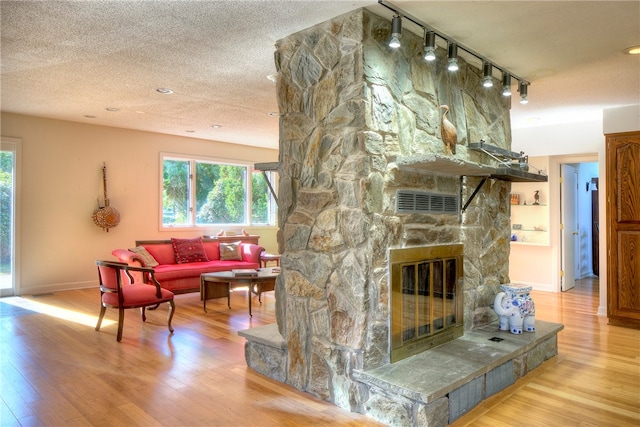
(206, 192)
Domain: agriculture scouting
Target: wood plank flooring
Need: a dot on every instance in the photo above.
(58, 371)
(594, 380)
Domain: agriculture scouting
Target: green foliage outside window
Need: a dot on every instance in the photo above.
(219, 196)
(6, 190)
(225, 201)
(259, 199)
(175, 195)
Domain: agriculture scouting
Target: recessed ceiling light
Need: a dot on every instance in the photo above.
(112, 109)
(633, 50)
(216, 126)
(164, 90)
(189, 131)
(89, 116)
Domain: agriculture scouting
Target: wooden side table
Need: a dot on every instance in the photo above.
(264, 281)
(211, 290)
(265, 258)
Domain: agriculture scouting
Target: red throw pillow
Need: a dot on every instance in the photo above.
(189, 250)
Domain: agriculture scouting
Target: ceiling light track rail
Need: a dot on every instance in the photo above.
(450, 40)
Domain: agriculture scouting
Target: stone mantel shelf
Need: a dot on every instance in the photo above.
(453, 166)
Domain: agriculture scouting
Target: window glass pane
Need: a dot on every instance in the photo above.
(7, 173)
(408, 302)
(424, 308)
(451, 292)
(207, 174)
(438, 295)
(221, 195)
(259, 199)
(175, 193)
(203, 193)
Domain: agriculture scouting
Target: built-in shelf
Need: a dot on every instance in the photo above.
(531, 221)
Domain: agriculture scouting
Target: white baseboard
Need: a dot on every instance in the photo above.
(57, 287)
(545, 287)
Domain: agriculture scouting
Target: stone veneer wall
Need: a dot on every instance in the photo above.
(349, 107)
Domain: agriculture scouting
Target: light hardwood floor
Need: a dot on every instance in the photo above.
(594, 380)
(58, 371)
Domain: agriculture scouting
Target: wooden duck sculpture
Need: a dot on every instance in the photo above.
(448, 133)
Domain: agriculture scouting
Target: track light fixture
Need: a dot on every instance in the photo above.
(506, 84)
(452, 62)
(523, 93)
(487, 77)
(396, 30)
(429, 45)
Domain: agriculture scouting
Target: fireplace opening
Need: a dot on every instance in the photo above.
(426, 298)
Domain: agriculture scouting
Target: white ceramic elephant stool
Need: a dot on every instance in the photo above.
(515, 308)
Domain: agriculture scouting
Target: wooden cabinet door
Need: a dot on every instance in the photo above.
(623, 228)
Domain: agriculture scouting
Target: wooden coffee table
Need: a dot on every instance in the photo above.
(218, 284)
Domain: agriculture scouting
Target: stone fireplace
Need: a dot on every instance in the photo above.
(359, 124)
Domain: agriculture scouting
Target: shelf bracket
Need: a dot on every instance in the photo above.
(473, 195)
(273, 192)
(264, 167)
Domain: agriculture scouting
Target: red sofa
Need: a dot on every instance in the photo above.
(179, 276)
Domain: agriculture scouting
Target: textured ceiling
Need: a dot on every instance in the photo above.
(72, 59)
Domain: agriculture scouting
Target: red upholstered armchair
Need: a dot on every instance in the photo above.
(118, 289)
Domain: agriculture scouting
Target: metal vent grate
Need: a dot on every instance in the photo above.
(422, 202)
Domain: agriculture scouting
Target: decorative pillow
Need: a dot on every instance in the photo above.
(230, 251)
(189, 250)
(149, 260)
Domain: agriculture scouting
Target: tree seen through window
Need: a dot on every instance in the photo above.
(220, 194)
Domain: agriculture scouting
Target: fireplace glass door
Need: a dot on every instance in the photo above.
(426, 304)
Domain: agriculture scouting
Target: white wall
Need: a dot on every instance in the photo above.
(570, 143)
(621, 119)
(530, 262)
(573, 143)
(62, 179)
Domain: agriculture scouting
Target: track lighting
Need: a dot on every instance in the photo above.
(506, 84)
(523, 93)
(396, 30)
(429, 46)
(452, 63)
(487, 77)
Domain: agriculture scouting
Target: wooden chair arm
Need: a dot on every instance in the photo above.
(150, 275)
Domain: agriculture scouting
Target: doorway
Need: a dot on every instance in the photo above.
(579, 216)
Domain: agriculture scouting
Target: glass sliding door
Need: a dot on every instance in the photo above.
(9, 155)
